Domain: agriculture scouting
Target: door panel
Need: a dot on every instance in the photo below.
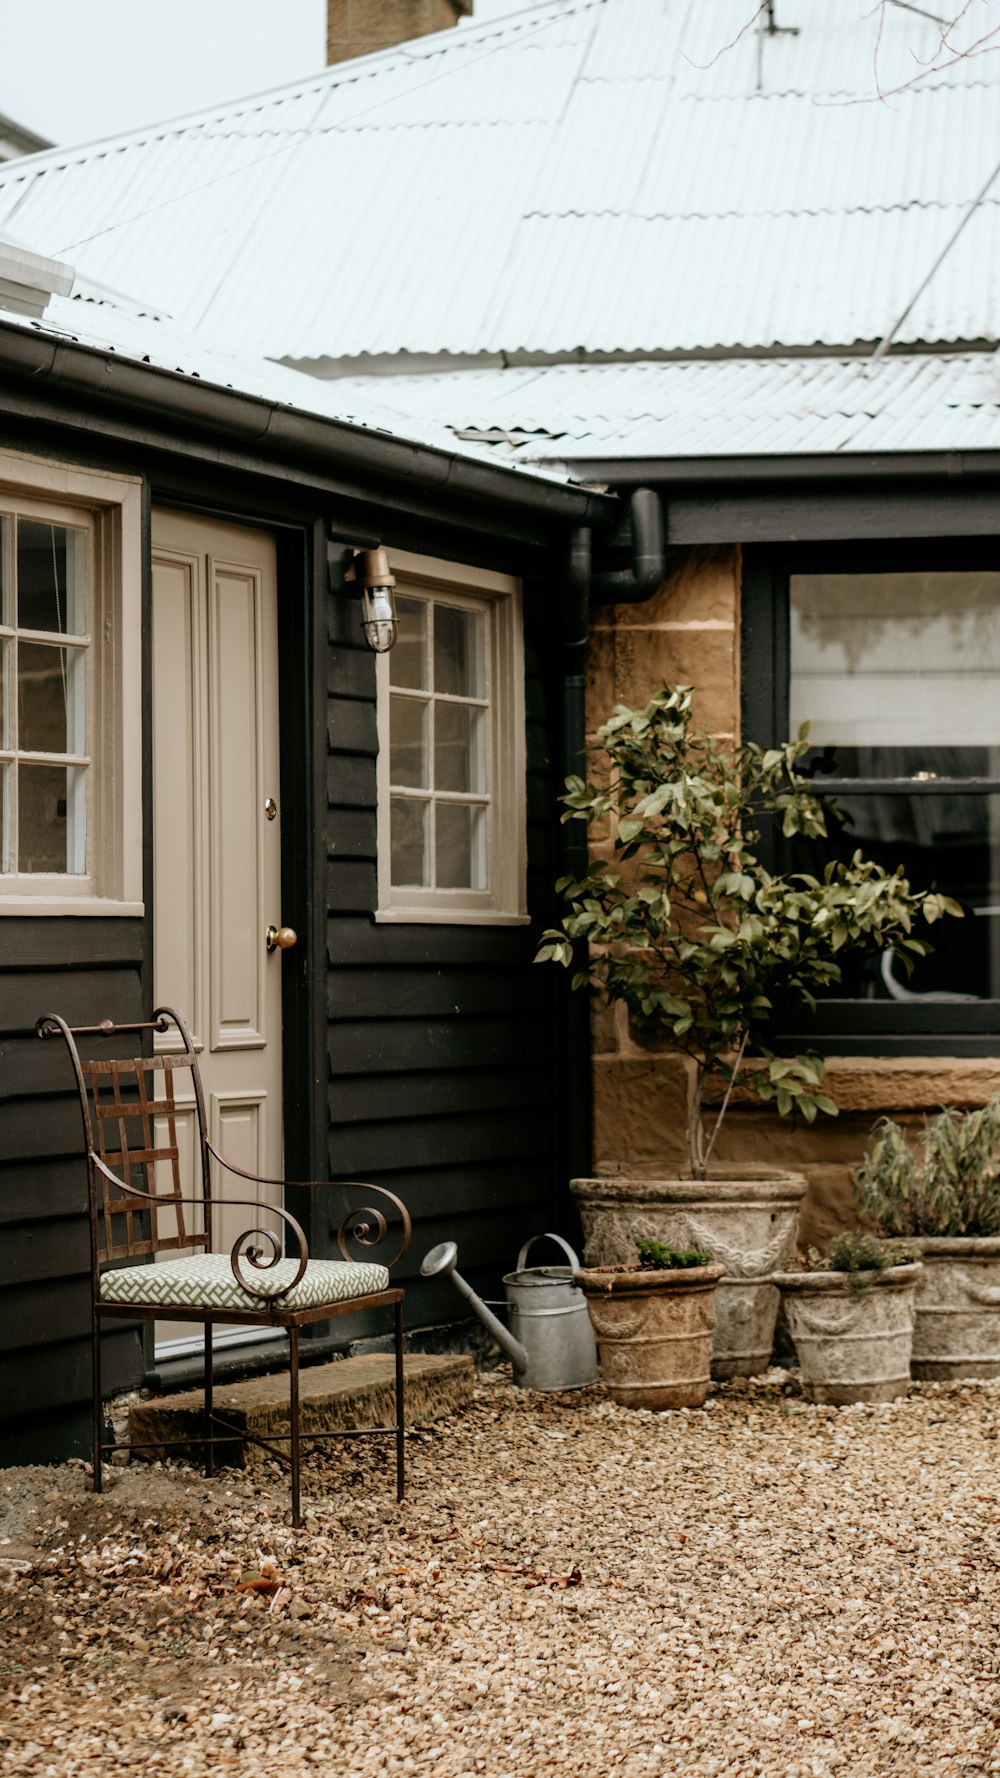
(217, 857)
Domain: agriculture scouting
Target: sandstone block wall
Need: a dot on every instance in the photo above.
(689, 634)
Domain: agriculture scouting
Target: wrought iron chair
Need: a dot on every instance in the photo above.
(130, 1109)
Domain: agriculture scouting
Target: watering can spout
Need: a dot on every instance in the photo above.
(442, 1259)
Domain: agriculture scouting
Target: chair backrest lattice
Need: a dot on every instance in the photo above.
(133, 1110)
(126, 1111)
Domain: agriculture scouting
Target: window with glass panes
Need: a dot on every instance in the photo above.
(45, 646)
(439, 746)
(897, 671)
(451, 746)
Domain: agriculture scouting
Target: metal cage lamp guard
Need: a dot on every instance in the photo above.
(371, 571)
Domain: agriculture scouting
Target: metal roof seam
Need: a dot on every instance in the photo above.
(748, 215)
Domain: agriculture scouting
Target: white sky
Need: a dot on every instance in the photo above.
(73, 70)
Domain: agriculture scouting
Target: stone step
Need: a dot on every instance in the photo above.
(350, 1393)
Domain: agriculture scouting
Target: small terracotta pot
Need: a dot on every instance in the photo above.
(654, 1332)
(748, 1223)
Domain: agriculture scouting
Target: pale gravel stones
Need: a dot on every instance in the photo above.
(764, 1588)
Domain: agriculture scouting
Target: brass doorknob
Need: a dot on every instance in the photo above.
(280, 938)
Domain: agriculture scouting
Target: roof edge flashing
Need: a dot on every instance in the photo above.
(29, 280)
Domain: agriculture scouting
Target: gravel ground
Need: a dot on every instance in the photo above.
(760, 1587)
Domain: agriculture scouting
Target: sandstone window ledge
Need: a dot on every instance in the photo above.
(885, 1085)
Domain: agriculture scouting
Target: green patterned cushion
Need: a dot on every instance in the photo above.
(207, 1282)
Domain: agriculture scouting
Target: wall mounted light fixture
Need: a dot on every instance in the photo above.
(372, 574)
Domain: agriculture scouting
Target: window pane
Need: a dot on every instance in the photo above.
(408, 742)
(408, 660)
(459, 750)
(51, 571)
(461, 846)
(51, 819)
(408, 826)
(50, 705)
(458, 652)
(950, 843)
(4, 692)
(926, 762)
(895, 666)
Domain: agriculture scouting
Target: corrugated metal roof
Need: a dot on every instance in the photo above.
(723, 408)
(590, 175)
(142, 340)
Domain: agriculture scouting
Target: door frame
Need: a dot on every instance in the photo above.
(300, 545)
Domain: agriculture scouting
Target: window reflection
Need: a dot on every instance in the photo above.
(898, 676)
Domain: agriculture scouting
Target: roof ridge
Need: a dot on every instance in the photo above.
(538, 16)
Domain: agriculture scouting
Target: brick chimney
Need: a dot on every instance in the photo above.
(357, 27)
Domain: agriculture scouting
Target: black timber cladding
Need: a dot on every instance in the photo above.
(420, 1057)
(71, 966)
(441, 1038)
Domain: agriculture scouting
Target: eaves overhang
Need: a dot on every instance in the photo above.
(51, 379)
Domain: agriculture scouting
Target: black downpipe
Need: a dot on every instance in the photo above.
(574, 1050)
(632, 586)
(583, 586)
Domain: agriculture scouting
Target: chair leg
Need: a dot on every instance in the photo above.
(400, 1407)
(293, 1420)
(209, 1402)
(97, 1427)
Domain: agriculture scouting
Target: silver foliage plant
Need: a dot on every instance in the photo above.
(946, 1185)
(688, 928)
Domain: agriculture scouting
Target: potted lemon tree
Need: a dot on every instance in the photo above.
(706, 946)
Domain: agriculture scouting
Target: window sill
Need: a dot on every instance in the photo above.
(92, 905)
(891, 1084)
(448, 917)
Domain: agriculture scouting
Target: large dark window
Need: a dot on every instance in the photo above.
(894, 661)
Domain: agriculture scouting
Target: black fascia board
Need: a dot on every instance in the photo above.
(161, 407)
(624, 473)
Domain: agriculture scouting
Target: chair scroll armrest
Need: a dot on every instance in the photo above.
(366, 1224)
(254, 1256)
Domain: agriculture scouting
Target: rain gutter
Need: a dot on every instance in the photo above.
(624, 472)
(279, 433)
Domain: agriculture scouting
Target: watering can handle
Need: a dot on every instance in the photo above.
(567, 1249)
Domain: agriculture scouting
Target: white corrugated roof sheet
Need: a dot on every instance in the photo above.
(137, 338)
(758, 408)
(588, 176)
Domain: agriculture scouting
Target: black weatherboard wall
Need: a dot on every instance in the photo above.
(441, 1038)
(424, 1058)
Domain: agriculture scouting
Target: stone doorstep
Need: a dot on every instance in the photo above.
(350, 1393)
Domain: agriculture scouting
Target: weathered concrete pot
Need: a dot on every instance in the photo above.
(654, 1332)
(956, 1330)
(747, 1224)
(853, 1331)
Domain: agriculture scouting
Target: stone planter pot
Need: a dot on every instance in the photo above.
(747, 1224)
(956, 1330)
(654, 1332)
(853, 1331)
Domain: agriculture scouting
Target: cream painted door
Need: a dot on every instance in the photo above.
(217, 841)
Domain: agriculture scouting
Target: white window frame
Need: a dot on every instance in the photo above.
(109, 509)
(503, 902)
